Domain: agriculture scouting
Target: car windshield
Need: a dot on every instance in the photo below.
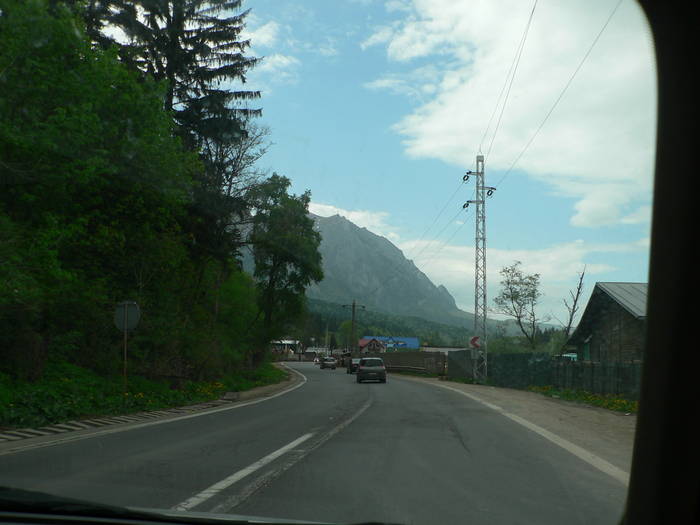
(203, 201)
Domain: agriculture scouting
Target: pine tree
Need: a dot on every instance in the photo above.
(194, 46)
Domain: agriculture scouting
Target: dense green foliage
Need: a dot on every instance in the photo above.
(67, 392)
(107, 195)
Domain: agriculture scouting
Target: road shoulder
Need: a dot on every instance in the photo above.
(605, 433)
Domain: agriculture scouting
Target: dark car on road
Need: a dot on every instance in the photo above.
(328, 362)
(353, 365)
(371, 368)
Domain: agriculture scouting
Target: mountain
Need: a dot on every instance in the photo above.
(362, 266)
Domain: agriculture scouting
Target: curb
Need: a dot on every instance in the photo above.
(229, 398)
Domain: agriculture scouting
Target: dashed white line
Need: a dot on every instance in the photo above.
(233, 478)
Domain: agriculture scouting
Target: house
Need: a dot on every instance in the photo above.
(286, 346)
(396, 343)
(371, 345)
(613, 324)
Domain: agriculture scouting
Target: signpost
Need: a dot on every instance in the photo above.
(126, 318)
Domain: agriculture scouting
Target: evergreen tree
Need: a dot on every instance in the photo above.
(194, 46)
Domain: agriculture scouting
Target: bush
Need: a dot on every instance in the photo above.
(608, 401)
(67, 392)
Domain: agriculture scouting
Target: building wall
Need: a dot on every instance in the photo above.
(616, 335)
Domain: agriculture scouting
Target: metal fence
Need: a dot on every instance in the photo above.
(619, 378)
(538, 369)
(424, 362)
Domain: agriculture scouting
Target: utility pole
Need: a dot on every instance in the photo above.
(354, 306)
(480, 369)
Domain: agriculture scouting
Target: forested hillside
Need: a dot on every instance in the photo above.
(126, 173)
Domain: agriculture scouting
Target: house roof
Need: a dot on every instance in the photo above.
(367, 340)
(401, 342)
(630, 296)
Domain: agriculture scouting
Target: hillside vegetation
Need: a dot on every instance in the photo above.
(122, 181)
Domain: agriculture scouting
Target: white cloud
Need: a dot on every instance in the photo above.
(374, 221)
(265, 36)
(277, 69)
(380, 36)
(558, 265)
(598, 144)
(452, 265)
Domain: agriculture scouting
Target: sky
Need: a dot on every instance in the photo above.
(379, 107)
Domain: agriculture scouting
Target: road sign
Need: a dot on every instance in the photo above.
(127, 315)
(474, 342)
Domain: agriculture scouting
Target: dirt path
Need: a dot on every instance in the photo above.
(607, 434)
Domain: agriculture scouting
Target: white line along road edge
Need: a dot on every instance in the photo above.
(127, 427)
(233, 478)
(581, 453)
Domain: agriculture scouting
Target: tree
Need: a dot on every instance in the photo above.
(94, 186)
(518, 298)
(573, 306)
(286, 250)
(345, 334)
(194, 46)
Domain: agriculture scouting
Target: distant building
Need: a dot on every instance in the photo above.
(371, 345)
(286, 346)
(396, 343)
(613, 324)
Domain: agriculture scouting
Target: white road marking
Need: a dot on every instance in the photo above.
(114, 430)
(581, 453)
(233, 478)
(245, 492)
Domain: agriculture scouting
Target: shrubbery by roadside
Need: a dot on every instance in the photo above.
(68, 392)
(609, 401)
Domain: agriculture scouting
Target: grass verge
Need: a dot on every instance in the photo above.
(610, 402)
(67, 392)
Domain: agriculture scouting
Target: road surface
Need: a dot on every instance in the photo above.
(336, 451)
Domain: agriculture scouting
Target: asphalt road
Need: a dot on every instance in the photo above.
(335, 451)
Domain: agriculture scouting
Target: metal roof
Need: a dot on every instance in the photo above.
(631, 296)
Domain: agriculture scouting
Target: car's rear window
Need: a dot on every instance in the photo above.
(372, 362)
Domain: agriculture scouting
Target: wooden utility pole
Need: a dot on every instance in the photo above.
(353, 336)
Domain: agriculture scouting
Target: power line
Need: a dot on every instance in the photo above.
(439, 215)
(513, 69)
(561, 94)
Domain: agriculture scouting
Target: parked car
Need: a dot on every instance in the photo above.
(371, 368)
(353, 365)
(317, 360)
(328, 362)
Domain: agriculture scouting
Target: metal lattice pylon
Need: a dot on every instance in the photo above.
(480, 354)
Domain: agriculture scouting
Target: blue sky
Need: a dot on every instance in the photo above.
(379, 106)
